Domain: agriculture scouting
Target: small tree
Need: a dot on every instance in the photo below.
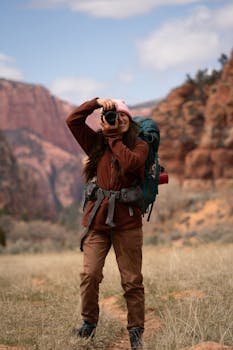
(223, 59)
(205, 76)
(2, 237)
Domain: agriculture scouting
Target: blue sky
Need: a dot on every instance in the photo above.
(135, 50)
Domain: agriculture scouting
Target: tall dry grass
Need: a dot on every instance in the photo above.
(191, 289)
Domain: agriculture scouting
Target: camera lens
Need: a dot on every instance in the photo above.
(110, 116)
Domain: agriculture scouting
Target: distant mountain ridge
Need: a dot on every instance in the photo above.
(146, 104)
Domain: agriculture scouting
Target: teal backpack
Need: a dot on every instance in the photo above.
(148, 131)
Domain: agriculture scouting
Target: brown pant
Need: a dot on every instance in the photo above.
(128, 249)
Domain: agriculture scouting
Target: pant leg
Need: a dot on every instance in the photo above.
(128, 249)
(95, 249)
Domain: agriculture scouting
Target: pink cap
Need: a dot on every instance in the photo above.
(122, 107)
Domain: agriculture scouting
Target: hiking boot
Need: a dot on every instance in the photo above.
(87, 330)
(135, 336)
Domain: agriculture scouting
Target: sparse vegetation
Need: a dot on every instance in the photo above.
(205, 311)
(36, 236)
(205, 77)
(193, 217)
(223, 60)
(190, 289)
(70, 217)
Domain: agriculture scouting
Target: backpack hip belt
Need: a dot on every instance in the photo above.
(131, 196)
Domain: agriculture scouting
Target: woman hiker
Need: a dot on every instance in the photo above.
(112, 213)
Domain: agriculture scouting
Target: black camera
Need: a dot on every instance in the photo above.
(110, 116)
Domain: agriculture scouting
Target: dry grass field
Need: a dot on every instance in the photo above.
(189, 290)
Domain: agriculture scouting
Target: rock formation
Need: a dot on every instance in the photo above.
(41, 162)
(41, 169)
(20, 194)
(33, 107)
(196, 123)
(49, 177)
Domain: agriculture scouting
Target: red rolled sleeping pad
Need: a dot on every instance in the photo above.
(163, 177)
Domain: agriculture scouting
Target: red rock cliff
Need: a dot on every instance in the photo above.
(48, 159)
(33, 107)
(196, 123)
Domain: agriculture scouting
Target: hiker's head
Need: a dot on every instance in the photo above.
(121, 106)
(124, 115)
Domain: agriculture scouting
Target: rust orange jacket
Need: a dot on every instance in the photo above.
(132, 162)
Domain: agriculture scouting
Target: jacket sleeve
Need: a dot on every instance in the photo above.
(129, 160)
(76, 121)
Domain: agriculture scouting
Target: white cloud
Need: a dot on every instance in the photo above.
(223, 19)
(116, 9)
(7, 68)
(76, 90)
(189, 41)
(5, 58)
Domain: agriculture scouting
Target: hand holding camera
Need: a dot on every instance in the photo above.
(109, 117)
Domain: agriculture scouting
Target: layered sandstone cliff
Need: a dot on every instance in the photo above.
(33, 107)
(20, 194)
(196, 123)
(37, 179)
(43, 149)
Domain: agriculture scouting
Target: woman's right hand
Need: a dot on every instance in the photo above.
(106, 103)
